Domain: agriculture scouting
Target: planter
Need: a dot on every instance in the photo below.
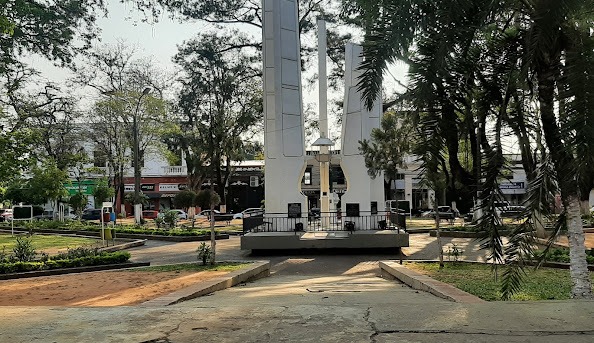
(72, 270)
(129, 235)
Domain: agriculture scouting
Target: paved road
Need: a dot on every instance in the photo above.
(422, 247)
(308, 298)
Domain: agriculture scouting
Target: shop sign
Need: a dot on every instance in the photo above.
(86, 187)
(172, 187)
(247, 169)
(145, 187)
(512, 185)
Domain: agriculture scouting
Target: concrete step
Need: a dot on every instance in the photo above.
(325, 235)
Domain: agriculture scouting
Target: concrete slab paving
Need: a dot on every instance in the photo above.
(308, 298)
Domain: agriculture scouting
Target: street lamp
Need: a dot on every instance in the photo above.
(137, 202)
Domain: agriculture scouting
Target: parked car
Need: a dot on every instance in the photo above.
(248, 212)
(218, 216)
(46, 215)
(445, 212)
(510, 211)
(6, 214)
(181, 214)
(148, 214)
(91, 214)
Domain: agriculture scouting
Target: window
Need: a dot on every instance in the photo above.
(254, 181)
(307, 176)
(399, 176)
(337, 175)
(99, 158)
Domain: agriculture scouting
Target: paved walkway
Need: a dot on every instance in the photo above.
(308, 298)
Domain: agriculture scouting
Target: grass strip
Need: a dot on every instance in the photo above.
(482, 281)
(41, 242)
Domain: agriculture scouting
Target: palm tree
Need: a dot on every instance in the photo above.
(549, 50)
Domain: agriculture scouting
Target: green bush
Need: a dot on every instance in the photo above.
(81, 226)
(18, 267)
(204, 253)
(562, 255)
(170, 218)
(23, 251)
(57, 262)
(72, 253)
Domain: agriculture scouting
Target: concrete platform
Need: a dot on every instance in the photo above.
(324, 240)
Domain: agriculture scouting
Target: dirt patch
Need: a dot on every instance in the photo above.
(108, 288)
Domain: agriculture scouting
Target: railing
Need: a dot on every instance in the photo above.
(330, 221)
(175, 170)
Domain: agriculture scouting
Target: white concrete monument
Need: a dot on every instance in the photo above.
(284, 128)
(357, 123)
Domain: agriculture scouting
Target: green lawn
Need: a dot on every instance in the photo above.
(227, 267)
(478, 279)
(41, 242)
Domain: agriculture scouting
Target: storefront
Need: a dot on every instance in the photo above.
(159, 190)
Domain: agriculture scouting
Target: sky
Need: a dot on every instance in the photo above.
(160, 40)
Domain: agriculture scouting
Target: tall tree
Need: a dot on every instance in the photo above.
(121, 78)
(230, 14)
(388, 147)
(42, 111)
(219, 102)
(55, 29)
(554, 40)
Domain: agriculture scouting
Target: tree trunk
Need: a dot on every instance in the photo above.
(438, 234)
(580, 276)
(213, 241)
(568, 184)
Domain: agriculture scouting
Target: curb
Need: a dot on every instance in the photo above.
(257, 270)
(73, 270)
(124, 246)
(171, 238)
(465, 234)
(119, 235)
(427, 284)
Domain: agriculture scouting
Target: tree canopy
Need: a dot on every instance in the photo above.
(479, 70)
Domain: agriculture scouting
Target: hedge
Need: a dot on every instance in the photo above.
(79, 226)
(104, 258)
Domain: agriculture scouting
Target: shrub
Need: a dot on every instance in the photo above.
(3, 255)
(184, 199)
(562, 255)
(23, 251)
(16, 267)
(72, 253)
(170, 218)
(101, 258)
(204, 253)
(454, 251)
(205, 198)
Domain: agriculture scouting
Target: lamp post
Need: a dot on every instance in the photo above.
(323, 142)
(137, 203)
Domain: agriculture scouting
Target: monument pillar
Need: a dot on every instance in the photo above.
(284, 142)
(364, 194)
